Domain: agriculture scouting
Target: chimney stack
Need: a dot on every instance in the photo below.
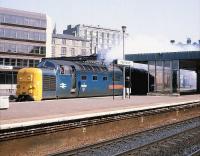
(172, 41)
(69, 26)
(189, 41)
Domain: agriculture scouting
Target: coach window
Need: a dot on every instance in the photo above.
(94, 78)
(105, 78)
(84, 77)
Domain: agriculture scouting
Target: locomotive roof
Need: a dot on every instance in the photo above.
(83, 66)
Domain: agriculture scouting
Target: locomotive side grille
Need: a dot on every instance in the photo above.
(49, 83)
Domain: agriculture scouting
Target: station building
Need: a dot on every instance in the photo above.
(24, 40)
(170, 73)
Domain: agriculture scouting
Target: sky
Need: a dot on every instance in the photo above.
(148, 20)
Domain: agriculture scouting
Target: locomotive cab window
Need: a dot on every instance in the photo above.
(94, 77)
(117, 77)
(83, 77)
(64, 70)
(46, 64)
(49, 65)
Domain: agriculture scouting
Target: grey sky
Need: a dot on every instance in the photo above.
(172, 19)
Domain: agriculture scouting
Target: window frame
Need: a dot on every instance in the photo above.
(85, 77)
(95, 76)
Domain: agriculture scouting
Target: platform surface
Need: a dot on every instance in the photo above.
(30, 113)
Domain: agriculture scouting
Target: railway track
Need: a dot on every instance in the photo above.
(21, 132)
(182, 138)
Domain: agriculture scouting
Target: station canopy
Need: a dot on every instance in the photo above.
(188, 59)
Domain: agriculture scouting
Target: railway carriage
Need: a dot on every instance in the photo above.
(64, 79)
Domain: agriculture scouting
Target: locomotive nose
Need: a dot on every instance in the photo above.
(29, 83)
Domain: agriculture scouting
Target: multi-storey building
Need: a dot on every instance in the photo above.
(102, 39)
(23, 42)
(67, 45)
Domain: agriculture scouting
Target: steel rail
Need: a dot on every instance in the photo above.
(126, 140)
(167, 146)
(195, 153)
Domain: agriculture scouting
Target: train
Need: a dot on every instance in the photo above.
(53, 79)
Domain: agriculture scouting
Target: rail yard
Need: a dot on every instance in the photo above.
(102, 126)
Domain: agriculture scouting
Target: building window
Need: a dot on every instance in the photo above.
(25, 63)
(1, 61)
(13, 62)
(37, 50)
(19, 62)
(22, 34)
(108, 35)
(42, 50)
(7, 61)
(102, 35)
(8, 77)
(31, 63)
(83, 52)
(113, 36)
(53, 51)
(2, 78)
(73, 42)
(64, 41)
(53, 41)
(63, 51)
(113, 42)
(2, 47)
(91, 34)
(14, 19)
(83, 44)
(36, 63)
(85, 34)
(72, 51)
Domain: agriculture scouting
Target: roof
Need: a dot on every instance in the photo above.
(99, 27)
(82, 65)
(68, 37)
(184, 55)
(75, 58)
(23, 13)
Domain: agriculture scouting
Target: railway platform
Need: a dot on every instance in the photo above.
(22, 114)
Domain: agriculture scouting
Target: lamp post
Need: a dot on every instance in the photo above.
(124, 89)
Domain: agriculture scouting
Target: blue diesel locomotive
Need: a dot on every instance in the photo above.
(63, 79)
